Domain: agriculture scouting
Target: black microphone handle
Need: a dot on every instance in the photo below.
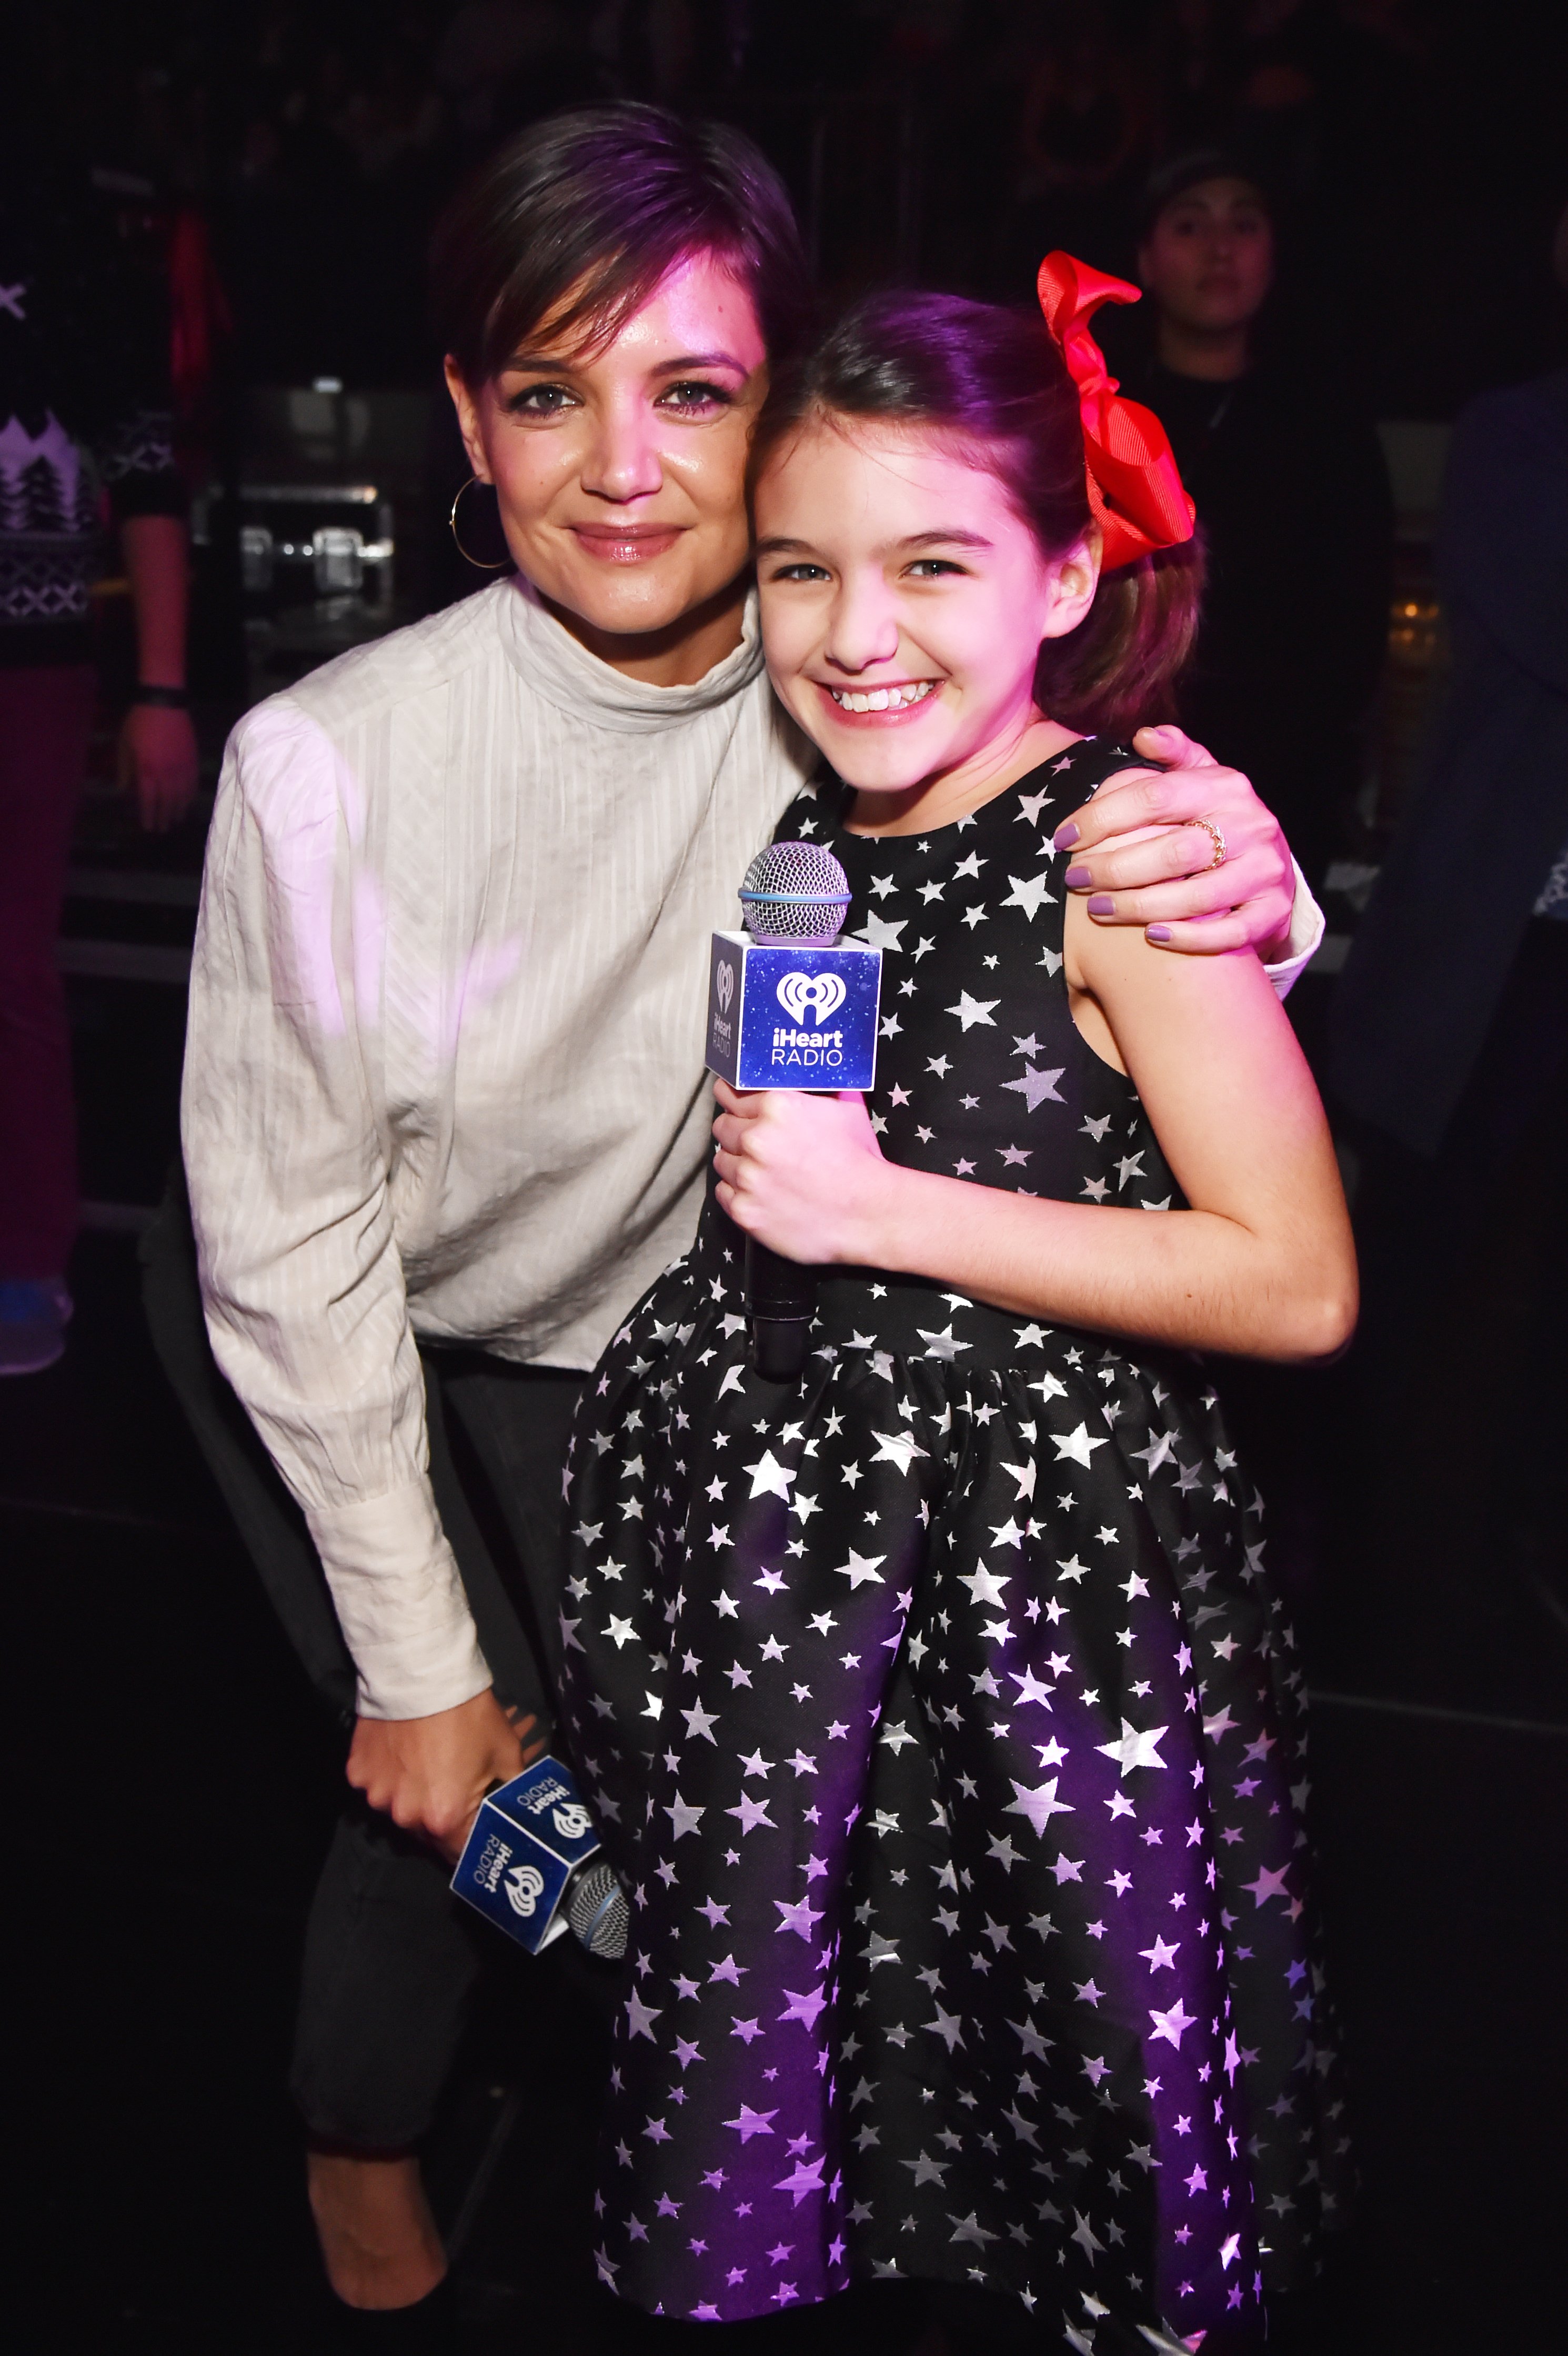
(781, 1301)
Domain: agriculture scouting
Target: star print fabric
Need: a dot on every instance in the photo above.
(940, 1715)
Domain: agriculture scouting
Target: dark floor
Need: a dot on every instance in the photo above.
(177, 1780)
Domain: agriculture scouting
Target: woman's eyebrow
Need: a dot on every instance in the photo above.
(569, 363)
(540, 364)
(687, 360)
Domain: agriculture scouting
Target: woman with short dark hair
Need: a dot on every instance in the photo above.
(577, 222)
(445, 1114)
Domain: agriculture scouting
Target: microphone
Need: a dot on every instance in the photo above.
(533, 1863)
(796, 892)
(796, 897)
(597, 1911)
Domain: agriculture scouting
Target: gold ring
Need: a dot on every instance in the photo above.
(1215, 837)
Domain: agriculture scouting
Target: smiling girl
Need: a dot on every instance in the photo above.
(971, 1938)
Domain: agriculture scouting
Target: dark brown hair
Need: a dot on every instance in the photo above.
(579, 220)
(994, 383)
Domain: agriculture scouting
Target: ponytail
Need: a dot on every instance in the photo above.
(1117, 671)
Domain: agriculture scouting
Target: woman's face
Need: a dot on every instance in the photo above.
(621, 472)
(904, 603)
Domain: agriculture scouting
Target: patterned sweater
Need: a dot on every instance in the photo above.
(85, 422)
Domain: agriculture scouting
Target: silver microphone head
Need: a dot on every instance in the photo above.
(796, 892)
(598, 1912)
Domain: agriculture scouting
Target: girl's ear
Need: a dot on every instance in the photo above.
(1072, 582)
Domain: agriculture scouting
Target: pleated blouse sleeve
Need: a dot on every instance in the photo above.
(286, 1151)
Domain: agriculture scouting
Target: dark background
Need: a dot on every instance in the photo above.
(1418, 145)
(177, 1778)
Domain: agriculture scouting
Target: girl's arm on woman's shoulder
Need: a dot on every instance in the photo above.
(1262, 1264)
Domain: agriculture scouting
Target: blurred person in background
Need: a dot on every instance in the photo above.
(1450, 1023)
(1278, 454)
(85, 431)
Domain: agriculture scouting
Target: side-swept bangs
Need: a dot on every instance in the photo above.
(576, 222)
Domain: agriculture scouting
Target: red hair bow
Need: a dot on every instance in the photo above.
(1135, 489)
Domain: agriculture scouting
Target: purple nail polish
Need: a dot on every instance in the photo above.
(1065, 837)
(1156, 933)
(1076, 877)
(1101, 904)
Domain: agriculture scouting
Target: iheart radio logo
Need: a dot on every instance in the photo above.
(524, 1886)
(724, 985)
(817, 994)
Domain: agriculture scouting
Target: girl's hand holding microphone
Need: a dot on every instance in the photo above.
(803, 1173)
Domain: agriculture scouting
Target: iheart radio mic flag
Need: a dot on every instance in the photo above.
(532, 1864)
(789, 1006)
(793, 1018)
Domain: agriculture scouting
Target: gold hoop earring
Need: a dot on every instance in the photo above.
(501, 563)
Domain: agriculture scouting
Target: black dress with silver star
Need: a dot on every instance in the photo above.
(940, 1716)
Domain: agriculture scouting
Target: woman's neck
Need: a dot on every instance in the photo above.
(956, 793)
(681, 654)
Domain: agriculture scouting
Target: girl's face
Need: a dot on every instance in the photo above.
(621, 472)
(904, 603)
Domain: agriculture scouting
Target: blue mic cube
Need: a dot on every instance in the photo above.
(783, 1015)
(529, 1839)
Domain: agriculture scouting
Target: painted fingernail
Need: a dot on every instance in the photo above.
(1077, 877)
(1156, 933)
(1101, 904)
(1065, 837)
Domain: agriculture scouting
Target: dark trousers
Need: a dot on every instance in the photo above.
(390, 1959)
(46, 718)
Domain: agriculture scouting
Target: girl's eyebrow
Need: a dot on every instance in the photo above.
(953, 539)
(917, 540)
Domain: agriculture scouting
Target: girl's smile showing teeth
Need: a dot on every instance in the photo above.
(902, 697)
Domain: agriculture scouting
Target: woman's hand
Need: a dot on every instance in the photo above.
(1137, 850)
(802, 1172)
(429, 1775)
